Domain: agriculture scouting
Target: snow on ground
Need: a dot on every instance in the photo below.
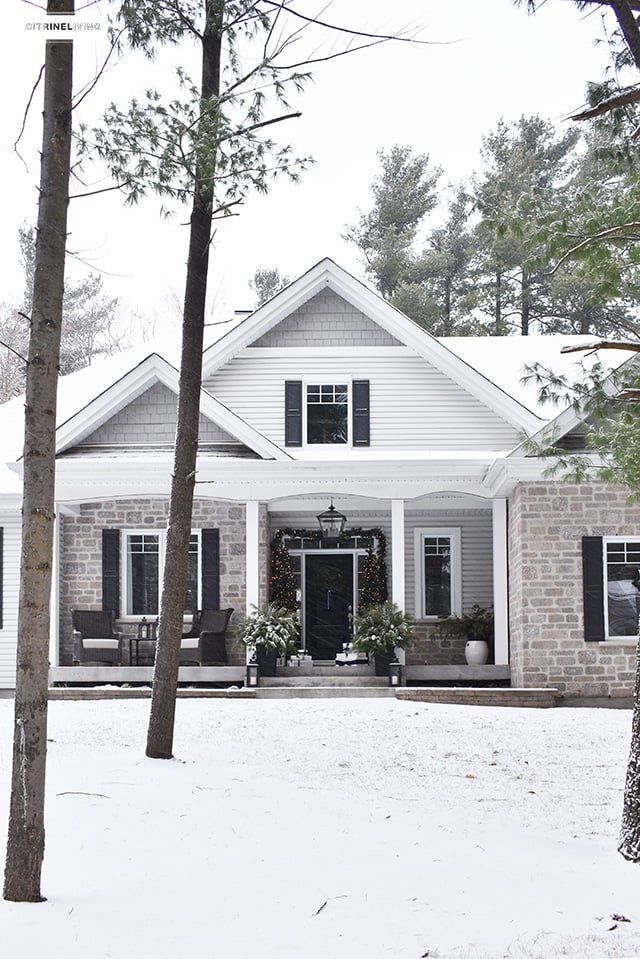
(339, 829)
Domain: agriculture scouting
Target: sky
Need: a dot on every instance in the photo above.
(482, 61)
(330, 829)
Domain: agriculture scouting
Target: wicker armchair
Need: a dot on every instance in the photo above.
(204, 644)
(95, 637)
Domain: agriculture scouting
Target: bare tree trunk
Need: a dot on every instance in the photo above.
(25, 843)
(165, 678)
(629, 842)
(525, 304)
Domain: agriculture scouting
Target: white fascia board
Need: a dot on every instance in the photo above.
(84, 480)
(240, 429)
(504, 475)
(155, 369)
(151, 370)
(328, 275)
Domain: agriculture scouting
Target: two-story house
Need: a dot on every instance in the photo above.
(327, 398)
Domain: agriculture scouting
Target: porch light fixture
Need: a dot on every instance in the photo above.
(252, 675)
(331, 522)
(144, 629)
(395, 674)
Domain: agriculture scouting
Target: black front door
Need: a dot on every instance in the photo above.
(328, 600)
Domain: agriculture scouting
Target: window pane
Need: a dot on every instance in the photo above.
(191, 594)
(623, 599)
(327, 414)
(143, 568)
(437, 575)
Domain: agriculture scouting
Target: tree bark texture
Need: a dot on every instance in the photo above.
(165, 677)
(629, 842)
(25, 843)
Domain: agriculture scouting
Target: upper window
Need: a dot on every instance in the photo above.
(622, 605)
(142, 572)
(327, 413)
(438, 572)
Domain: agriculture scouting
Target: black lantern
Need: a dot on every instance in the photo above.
(144, 629)
(252, 674)
(395, 674)
(331, 522)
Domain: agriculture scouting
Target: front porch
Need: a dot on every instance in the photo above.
(286, 677)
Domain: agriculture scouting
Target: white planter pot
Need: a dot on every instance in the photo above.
(476, 652)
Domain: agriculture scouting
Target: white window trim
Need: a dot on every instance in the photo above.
(325, 380)
(455, 535)
(162, 548)
(605, 592)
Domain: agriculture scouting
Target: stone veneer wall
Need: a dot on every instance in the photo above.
(546, 524)
(81, 555)
(431, 648)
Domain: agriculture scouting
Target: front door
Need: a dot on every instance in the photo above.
(328, 601)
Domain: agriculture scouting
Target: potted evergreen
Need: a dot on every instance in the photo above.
(380, 630)
(269, 632)
(476, 627)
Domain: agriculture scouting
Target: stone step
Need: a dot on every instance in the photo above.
(328, 670)
(326, 681)
(323, 692)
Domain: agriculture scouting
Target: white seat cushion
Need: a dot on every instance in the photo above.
(100, 643)
(191, 642)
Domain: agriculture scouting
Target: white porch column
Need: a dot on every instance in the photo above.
(398, 561)
(54, 601)
(253, 554)
(500, 582)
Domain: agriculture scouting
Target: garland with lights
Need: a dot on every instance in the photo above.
(373, 581)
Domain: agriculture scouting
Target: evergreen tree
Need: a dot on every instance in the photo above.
(266, 282)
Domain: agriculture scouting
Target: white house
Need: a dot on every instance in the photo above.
(327, 396)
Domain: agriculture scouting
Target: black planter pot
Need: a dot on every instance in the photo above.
(382, 660)
(266, 661)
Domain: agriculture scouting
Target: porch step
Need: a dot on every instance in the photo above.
(334, 679)
(322, 692)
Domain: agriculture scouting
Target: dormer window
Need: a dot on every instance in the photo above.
(328, 413)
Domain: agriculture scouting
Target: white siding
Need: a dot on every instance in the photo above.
(476, 537)
(413, 405)
(11, 584)
(477, 551)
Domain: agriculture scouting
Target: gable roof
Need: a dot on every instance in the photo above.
(155, 369)
(328, 275)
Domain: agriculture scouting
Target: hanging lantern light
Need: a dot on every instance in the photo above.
(331, 522)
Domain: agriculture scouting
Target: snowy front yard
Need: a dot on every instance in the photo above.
(343, 829)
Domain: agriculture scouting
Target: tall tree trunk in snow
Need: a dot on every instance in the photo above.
(165, 678)
(629, 843)
(25, 843)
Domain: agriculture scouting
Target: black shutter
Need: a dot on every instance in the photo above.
(360, 393)
(111, 570)
(211, 569)
(293, 413)
(593, 588)
(1, 576)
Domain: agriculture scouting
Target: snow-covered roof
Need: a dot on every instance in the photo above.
(503, 359)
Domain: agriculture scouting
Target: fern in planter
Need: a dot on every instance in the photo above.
(380, 628)
(477, 624)
(271, 627)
